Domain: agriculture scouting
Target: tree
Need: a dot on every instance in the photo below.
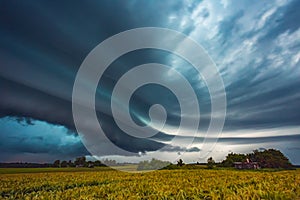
(109, 162)
(98, 163)
(64, 164)
(70, 164)
(210, 163)
(180, 163)
(56, 163)
(233, 157)
(80, 161)
(270, 158)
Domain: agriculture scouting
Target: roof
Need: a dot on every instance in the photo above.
(240, 163)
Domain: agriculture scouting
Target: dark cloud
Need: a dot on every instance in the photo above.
(37, 139)
(41, 59)
(266, 109)
(22, 101)
(42, 45)
(234, 140)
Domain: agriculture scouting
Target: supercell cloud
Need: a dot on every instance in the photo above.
(254, 45)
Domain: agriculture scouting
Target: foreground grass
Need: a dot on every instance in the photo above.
(101, 183)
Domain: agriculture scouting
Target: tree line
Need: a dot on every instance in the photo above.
(269, 158)
(82, 162)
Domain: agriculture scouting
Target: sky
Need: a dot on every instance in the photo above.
(255, 46)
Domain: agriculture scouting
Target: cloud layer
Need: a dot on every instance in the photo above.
(255, 46)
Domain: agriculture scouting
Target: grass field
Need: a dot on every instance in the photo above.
(103, 183)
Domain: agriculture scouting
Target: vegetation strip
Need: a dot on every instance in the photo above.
(49, 188)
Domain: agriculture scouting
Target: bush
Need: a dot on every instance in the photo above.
(210, 163)
(152, 165)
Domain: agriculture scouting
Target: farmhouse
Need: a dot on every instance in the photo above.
(246, 165)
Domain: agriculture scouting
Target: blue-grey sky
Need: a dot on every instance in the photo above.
(255, 45)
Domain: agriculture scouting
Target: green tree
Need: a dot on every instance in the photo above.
(64, 164)
(98, 163)
(180, 163)
(71, 164)
(210, 163)
(56, 163)
(270, 158)
(80, 161)
(233, 157)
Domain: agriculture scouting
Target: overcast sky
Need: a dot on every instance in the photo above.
(255, 46)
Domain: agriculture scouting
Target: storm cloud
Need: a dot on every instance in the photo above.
(42, 45)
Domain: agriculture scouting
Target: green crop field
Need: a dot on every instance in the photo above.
(102, 183)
